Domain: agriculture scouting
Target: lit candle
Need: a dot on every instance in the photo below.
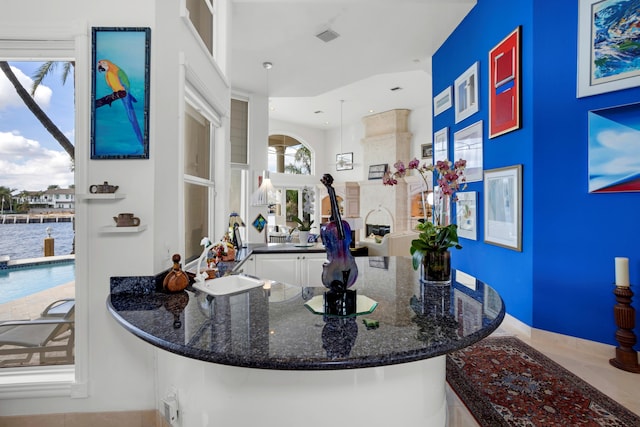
(622, 272)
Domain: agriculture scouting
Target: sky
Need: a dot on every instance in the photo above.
(30, 158)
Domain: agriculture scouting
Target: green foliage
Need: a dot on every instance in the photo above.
(303, 225)
(433, 238)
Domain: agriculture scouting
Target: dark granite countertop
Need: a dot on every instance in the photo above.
(273, 329)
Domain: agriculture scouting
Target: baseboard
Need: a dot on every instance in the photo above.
(146, 418)
(539, 336)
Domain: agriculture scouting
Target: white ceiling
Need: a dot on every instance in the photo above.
(383, 44)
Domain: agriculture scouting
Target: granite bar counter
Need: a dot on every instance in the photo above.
(272, 328)
(415, 321)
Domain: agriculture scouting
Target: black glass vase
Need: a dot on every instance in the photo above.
(436, 267)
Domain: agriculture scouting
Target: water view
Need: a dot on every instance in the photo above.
(21, 241)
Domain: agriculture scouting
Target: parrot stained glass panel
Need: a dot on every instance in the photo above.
(120, 93)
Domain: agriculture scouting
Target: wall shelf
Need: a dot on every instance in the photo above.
(101, 196)
(115, 229)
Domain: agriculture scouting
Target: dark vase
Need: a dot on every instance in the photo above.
(436, 267)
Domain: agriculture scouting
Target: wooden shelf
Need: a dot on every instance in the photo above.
(115, 229)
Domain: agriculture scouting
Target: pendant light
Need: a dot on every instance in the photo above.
(343, 160)
(264, 194)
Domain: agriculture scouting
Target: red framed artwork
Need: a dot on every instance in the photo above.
(504, 85)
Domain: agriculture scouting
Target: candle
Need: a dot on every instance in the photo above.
(622, 272)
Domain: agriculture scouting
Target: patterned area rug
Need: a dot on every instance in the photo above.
(505, 382)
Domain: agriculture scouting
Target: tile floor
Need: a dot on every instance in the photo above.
(590, 364)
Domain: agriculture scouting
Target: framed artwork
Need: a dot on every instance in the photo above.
(466, 93)
(605, 33)
(426, 150)
(503, 207)
(120, 93)
(614, 164)
(467, 145)
(377, 171)
(441, 145)
(442, 101)
(344, 161)
(381, 262)
(441, 207)
(467, 214)
(504, 85)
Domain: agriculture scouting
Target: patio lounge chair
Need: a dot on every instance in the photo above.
(52, 332)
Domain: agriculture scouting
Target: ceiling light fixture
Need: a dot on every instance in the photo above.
(264, 194)
(342, 162)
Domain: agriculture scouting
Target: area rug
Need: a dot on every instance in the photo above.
(505, 382)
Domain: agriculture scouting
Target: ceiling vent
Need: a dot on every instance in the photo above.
(327, 35)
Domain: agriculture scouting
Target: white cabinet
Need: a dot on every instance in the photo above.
(303, 269)
(249, 266)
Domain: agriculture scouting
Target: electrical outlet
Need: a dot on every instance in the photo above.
(170, 407)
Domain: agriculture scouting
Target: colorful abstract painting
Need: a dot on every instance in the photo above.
(120, 93)
(504, 85)
(616, 44)
(608, 46)
(614, 149)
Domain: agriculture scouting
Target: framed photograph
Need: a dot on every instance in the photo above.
(441, 145)
(427, 150)
(381, 262)
(466, 93)
(467, 214)
(344, 161)
(467, 145)
(120, 93)
(504, 85)
(614, 164)
(605, 61)
(503, 207)
(377, 171)
(442, 101)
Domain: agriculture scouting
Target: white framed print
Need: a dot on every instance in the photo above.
(467, 214)
(442, 101)
(467, 145)
(466, 93)
(503, 207)
(441, 145)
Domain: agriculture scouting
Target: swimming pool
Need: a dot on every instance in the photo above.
(29, 279)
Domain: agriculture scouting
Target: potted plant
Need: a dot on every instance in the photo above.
(431, 248)
(304, 227)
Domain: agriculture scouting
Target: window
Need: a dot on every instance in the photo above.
(201, 16)
(28, 291)
(239, 130)
(198, 181)
(288, 155)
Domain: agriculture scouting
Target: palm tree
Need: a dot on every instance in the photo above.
(33, 106)
(303, 156)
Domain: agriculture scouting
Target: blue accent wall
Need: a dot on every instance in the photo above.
(562, 281)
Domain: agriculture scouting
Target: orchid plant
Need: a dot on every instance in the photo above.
(433, 237)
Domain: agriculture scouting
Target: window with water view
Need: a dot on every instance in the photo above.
(37, 214)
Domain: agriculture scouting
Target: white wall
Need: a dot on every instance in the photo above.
(115, 370)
